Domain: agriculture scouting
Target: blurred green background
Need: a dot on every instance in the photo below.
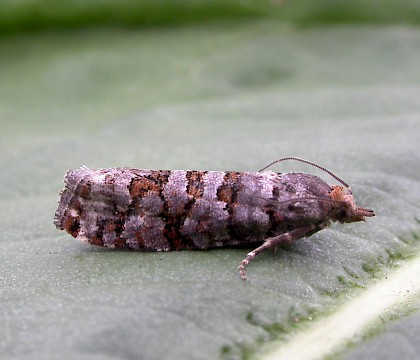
(217, 85)
(24, 15)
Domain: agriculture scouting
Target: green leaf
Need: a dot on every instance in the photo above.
(226, 97)
(34, 15)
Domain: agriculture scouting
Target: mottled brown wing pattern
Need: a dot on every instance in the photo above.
(165, 210)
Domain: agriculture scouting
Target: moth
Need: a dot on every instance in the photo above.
(169, 210)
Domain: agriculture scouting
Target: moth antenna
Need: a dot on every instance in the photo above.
(310, 163)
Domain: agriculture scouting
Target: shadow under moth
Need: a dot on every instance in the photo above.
(170, 210)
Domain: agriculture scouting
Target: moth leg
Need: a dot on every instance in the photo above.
(272, 243)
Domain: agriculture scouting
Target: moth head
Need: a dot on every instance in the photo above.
(345, 209)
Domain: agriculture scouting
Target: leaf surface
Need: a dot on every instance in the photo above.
(213, 98)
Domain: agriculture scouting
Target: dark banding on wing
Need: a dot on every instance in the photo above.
(179, 195)
(228, 191)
